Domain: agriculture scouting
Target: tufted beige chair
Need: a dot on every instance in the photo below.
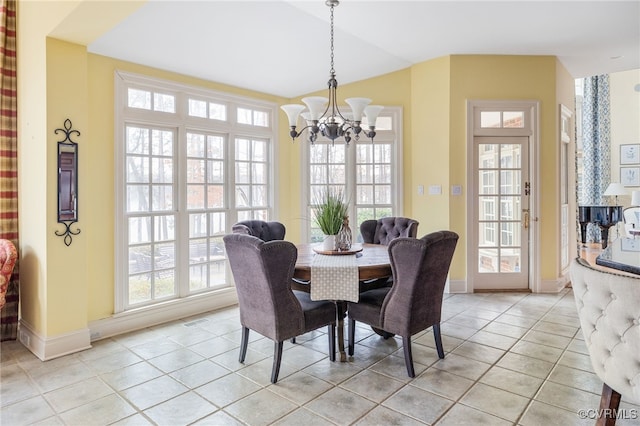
(609, 309)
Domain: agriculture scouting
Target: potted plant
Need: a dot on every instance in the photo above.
(330, 209)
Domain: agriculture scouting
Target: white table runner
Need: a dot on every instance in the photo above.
(334, 277)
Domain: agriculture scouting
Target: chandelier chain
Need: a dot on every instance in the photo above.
(332, 71)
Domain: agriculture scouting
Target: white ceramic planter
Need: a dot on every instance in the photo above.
(329, 243)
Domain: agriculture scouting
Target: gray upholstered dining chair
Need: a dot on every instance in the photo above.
(266, 231)
(608, 306)
(382, 231)
(414, 302)
(262, 272)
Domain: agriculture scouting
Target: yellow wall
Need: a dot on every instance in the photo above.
(625, 120)
(64, 288)
(511, 78)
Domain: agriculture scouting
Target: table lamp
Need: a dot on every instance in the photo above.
(615, 189)
(635, 198)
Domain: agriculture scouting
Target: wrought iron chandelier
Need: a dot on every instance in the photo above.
(332, 123)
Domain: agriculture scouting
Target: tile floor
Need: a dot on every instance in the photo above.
(511, 359)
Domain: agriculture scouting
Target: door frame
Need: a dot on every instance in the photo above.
(532, 109)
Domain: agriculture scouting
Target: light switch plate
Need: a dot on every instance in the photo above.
(435, 189)
(456, 189)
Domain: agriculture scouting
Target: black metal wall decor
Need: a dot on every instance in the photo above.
(67, 182)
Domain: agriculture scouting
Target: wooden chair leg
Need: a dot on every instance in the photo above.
(408, 358)
(609, 403)
(277, 357)
(438, 338)
(332, 342)
(243, 344)
(352, 335)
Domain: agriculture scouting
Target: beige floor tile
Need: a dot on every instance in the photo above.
(506, 329)
(26, 412)
(302, 416)
(261, 408)
(80, 393)
(545, 338)
(181, 410)
(153, 392)
(300, 387)
(372, 385)
(539, 413)
(219, 418)
(384, 416)
(575, 378)
(130, 376)
(442, 383)
(576, 360)
(566, 397)
(462, 366)
(512, 381)
(494, 340)
(340, 406)
(479, 352)
(460, 415)
(199, 373)
(227, 389)
(104, 411)
(536, 350)
(497, 402)
(419, 404)
(175, 360)
(527, 365)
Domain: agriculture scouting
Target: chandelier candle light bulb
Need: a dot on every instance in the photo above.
(323, 115)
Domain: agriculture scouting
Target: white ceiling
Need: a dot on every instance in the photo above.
(282, 47)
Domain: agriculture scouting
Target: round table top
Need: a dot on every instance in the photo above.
(373, 261)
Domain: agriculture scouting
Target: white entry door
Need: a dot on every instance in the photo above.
(502, 218)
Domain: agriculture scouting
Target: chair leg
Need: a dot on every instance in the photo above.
(293, 340)
(277, 357)
(609, 403)
(243, 344)
(408, 358)
(332, 341)
(438, 338)
(352, 335)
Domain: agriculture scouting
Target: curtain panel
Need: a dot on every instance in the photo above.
(596, 144)
(9, 159)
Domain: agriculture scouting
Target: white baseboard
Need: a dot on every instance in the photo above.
(47, 348)
(157, 314)
(456, 286)
(553, 286)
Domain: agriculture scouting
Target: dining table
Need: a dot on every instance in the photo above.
(372, 261)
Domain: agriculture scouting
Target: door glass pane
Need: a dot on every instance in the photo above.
(510, 260)
(488, 261)
(510, 156)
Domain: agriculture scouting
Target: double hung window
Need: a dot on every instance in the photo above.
(368, 173)
(190, 163)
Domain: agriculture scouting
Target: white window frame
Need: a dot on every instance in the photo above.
(394, 136)
(181, 123)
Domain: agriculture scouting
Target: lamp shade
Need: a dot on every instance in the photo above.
(357, 106)
(293, 111)
(615, 189)
(635, 198)
(316, 105)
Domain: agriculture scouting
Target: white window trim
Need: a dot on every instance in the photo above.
(397, 201)
(122, 80)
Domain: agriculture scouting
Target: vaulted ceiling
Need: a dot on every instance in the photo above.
(282, 47)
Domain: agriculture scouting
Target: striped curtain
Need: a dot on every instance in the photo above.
(9, 158)
(596, 145)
